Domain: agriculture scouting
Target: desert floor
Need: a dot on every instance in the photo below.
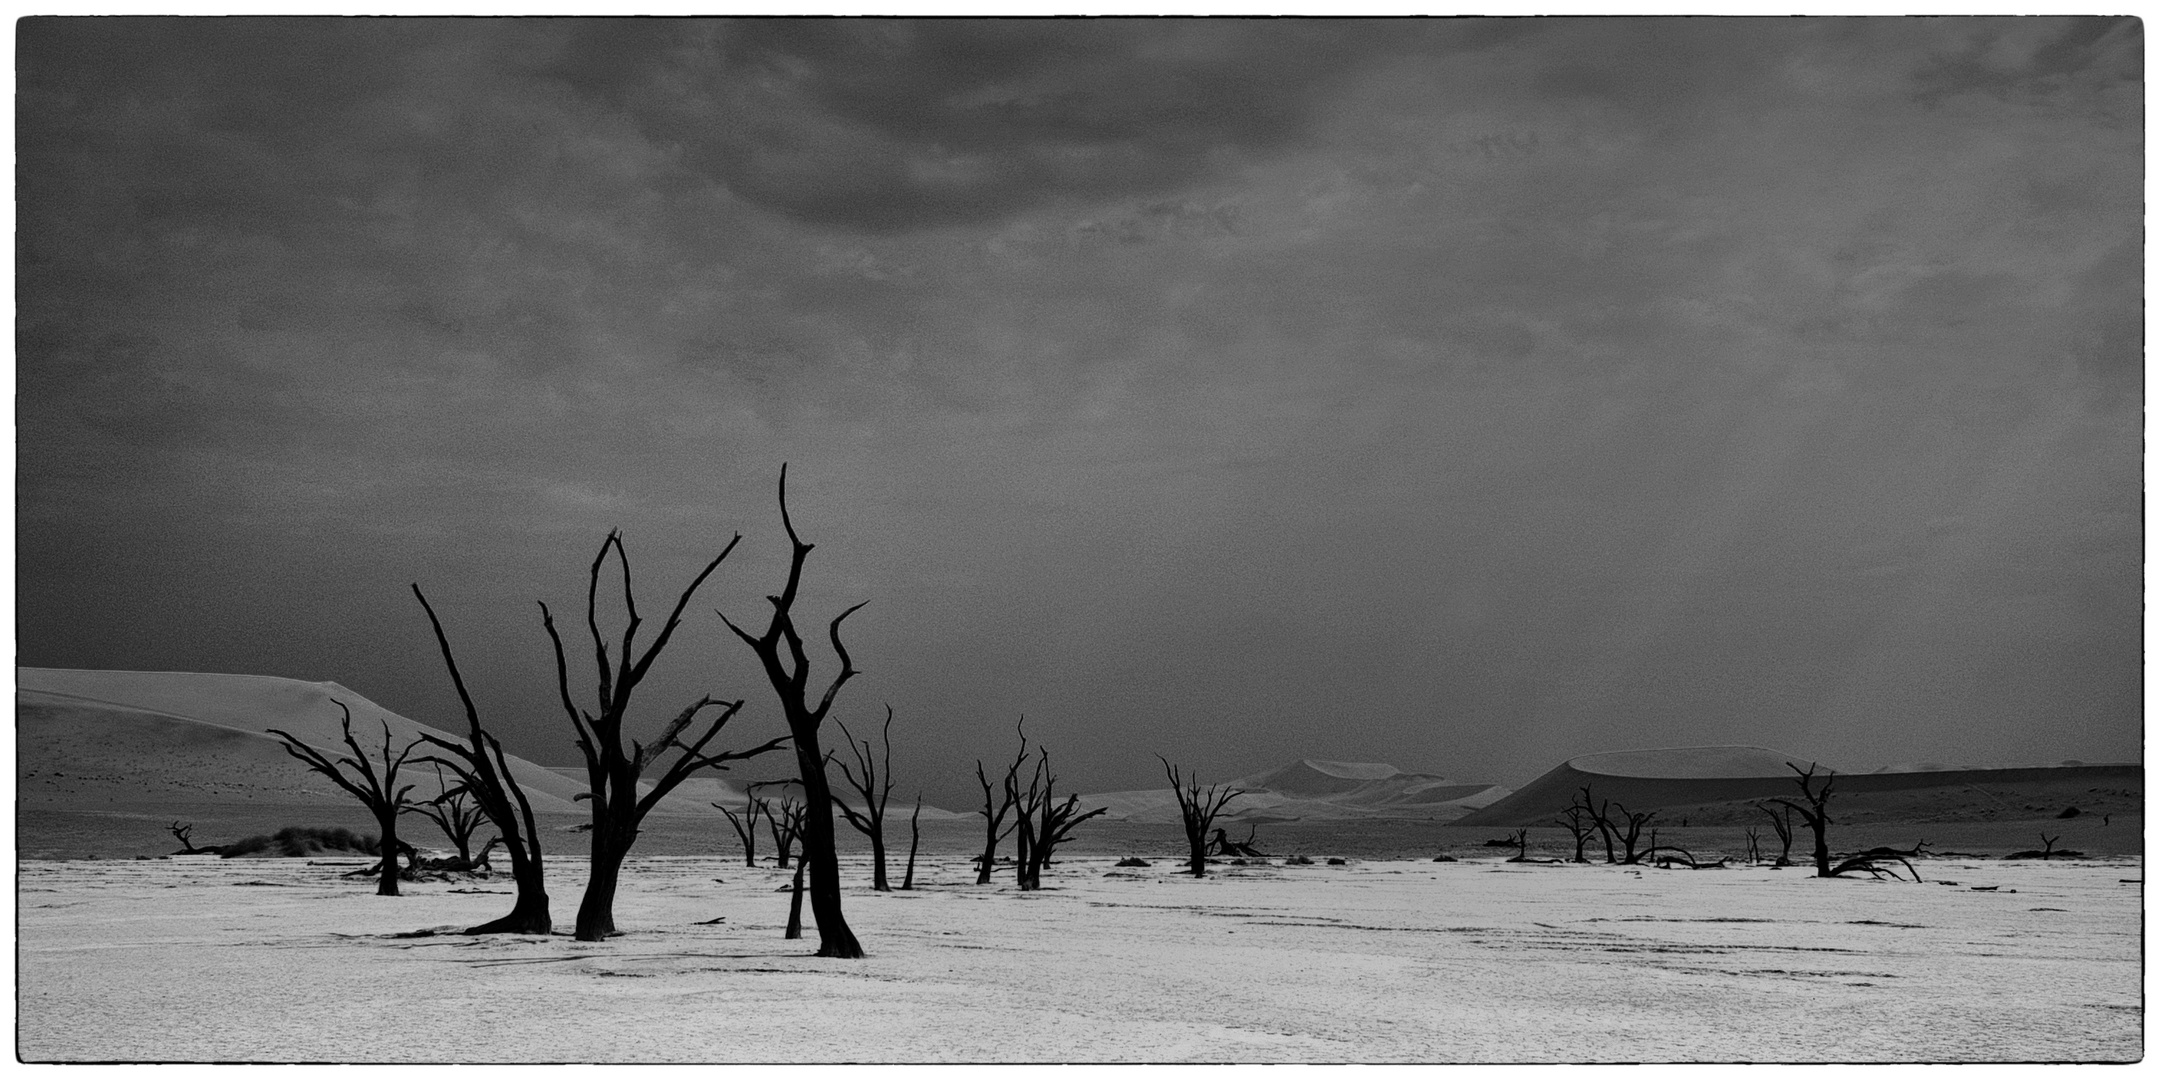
(198, 959)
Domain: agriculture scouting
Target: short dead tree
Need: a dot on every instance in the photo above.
(1522, 845)
(484, 774)
(1782, 825)
(1597, 813)
(455, 813)
(1043, 822)
(1578, 824)
(181, 832)
(872, 779)
(1816, 814)
(612, 770)
(1197, 810)
(745, 827)
(999, 801)
(378, 792)
(1629, 833)
(784, 821)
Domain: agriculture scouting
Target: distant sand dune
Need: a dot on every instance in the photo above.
(1700, 776)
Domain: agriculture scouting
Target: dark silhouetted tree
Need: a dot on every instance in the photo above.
(1782, 825)
(455, 813)
(1197, 810)
(998, 801)
(181, 832)
(1816, 814)
(746, 827)
(914, 825)
(789, 674)
(612, 770)
(872, 779)
(1043, 822)
(380, 793)
(1579, 825)
(484, 773)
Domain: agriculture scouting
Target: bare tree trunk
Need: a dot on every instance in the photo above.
(529, 915)
(596, 910)
(387, 823)
(835, 937)
(794, 908)
(914, 841)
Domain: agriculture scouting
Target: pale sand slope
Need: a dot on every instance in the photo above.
(1311, 789)
(1717, 782)
(1470, 961)
(89, 740)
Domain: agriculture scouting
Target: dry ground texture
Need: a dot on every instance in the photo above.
(1373, 961)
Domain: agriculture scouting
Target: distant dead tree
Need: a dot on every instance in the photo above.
(1043, 822)
(997, 802)
(379, 793)
(455, 813)
(1754, 845)
(1197, 810)
(484, 774)
(872, 779)
(1816, 814)
(745, 827)
(612, 770)
(1522, 845)
(914, 825)
(1598, 814)
(789, 675)
(1578, 824)
(181, 832)
(1782, 825)
(1628, 827)
(784, 822)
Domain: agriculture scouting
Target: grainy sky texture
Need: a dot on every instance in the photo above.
(1464, 395)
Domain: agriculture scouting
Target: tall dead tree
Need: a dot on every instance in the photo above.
(1043, 822)
(872, 779)
(1197, 809)
(997, 802)
(484, 773)
(454, 812)
(378, 792)
(745, 827)
(790, 678)
(611, 769)
(1816, 814)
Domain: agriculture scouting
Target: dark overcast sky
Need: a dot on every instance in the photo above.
(1464, 395)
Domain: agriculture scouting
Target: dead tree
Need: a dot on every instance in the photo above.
(745, 827)
(484, 774)
(1754, 845)
(187, 847)
(1522, 845)
(455, 813)
(790, 678)
(1579, 826)
(914, 825)
(872, 779)
(794, 908)
(997, 803)
(1782, 825)
(1197, 809)
(785, 824)
(379, 793)
(1599, 816)
(1630, 834)
(612, 770)
(1043, 822)
(1816, 814)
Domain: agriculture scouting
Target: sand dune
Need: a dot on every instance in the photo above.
(1711, 776)
(1315, 790)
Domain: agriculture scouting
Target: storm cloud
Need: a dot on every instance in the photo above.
(1463, 394)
